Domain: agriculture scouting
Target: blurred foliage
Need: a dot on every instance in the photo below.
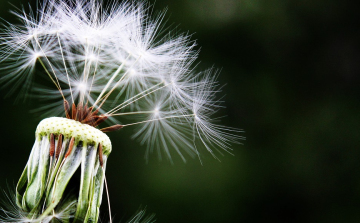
(292, 74)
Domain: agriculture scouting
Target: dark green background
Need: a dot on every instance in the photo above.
(292, 70)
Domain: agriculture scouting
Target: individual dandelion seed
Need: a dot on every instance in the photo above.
(106, 63)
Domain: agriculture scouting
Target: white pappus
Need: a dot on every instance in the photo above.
(91, 53)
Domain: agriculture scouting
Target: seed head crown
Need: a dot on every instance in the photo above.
(70, 128)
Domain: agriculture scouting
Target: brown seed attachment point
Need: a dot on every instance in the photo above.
(100, 155)
(52, 144)
(96, 111)
(84, 114)
(79, 112)
(73, 111)
(112, 128)
(88, 115)
(100, 119)
(58, 147)
(67, 108)
(71, 145)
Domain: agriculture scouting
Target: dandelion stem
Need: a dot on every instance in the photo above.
(85, 74)
(110, 81)
(139, 94)
(118, 82)
(52, 69)
(63, 58)
(129, 103)
(132, 113)
(46, 70)
(96, 66)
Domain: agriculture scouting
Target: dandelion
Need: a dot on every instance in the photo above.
(106, 64)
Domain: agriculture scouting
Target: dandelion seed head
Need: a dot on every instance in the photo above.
(116, 61)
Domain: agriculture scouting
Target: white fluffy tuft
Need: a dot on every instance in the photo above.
(115, 59)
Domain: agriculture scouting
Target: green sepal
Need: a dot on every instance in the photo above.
(21, 186)
(37, 180)
(96, 192)
(87, 174)
(66, 171)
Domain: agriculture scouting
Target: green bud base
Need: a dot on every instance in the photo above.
(42, 189)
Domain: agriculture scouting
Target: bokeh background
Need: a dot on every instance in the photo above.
(292, 75)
